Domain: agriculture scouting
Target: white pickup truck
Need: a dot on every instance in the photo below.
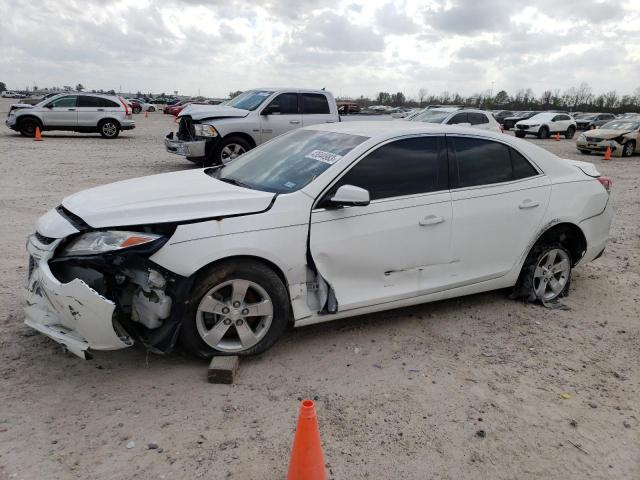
(216, 134)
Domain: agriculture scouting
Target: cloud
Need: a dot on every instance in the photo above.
(390, 19)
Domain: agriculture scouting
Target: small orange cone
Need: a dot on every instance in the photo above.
(307, 461)
(38, 135)
(146, 114)
(557, 136)
(607, 154)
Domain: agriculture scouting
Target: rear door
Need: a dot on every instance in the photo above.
(315, 109)
(398, 246)
(285, 116)
(498, 201)
(61, 112)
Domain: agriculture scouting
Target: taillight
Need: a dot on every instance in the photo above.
(124, 104)
(606, 182)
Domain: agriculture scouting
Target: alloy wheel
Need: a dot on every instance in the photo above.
(551, 274)
(109, 129)
(231, 151)
(234, 315)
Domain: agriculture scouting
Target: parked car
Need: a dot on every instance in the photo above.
(593, 120)
(217, 134)
(78, 112)
(500, 115)
(324, 222)
(174, 109)
(546, 123)
(345, 108)
(629, 115)
(11, 94)
(135, 105)
(146, 106)
(38, 98)
(621, 135)
(454, 116)
(509, 122)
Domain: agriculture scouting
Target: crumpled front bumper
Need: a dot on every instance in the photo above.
(192, 150)
(72, 314)
(600, 146)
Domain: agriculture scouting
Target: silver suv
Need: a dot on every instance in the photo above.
(77, 112)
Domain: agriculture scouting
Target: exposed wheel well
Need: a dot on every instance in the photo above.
(569, 236)
(30, 117)
(248, 138)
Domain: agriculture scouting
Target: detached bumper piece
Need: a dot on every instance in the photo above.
(72, 314)
(194, 150)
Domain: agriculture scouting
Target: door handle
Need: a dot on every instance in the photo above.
(101, 109)
(528, 204)
(294, 122)
(71, 109)
(431, 220)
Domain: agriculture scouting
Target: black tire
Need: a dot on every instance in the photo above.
(217, 156)
(227, 271)
(136, 109)
(109, 128)
(151, 109)
(543, 132)
(28, 127)
(571, 131)
(520, 134)
(526, 286)
(584, 152)
(506, 128)
(628, 148)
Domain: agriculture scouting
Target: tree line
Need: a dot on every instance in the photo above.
(579, 98)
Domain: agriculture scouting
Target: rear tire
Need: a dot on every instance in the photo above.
(28, 127)
(543, 132)
(109, 128)
(136, 109)
(546, 273)
(151, 109)
(628, 148)
(571, 131)
(215, 289)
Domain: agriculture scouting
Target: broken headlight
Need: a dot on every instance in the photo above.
(94, 243)
(204, 130)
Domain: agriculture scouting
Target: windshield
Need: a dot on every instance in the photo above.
(289, 162)
(249, 100)
(431, 116)
(621, 125)
(588, 116)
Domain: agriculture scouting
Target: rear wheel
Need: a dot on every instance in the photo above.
(151, 109)
(28, 127)
(571, 131)
(543, 132)
(136, 109)
(109, 128)
(628, 148)
(236, 308)
(546, 274)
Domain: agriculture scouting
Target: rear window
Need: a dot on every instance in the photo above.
(477, 118)
(314, 103)
(96, 102)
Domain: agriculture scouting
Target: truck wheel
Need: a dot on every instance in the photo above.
(229, 149)
(236, 308)
(109, 128)
(28, 127)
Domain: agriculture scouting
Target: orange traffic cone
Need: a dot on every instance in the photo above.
(307, 461)
(146, 114)
(607, 154)
(557, 136)
(38, 135)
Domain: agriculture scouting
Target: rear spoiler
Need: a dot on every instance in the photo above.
(586, 167)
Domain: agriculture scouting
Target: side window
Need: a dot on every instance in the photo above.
(314, 103)
(480, 162)
(63, 102)
(521, 166)
(105, 102)
(477, 118)
(403, 167)
(565, 117)
(458, 118)
(86, 101)
(288, 103)
(556, 118)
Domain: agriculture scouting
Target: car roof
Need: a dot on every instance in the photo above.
(289, 89)
(390, 129)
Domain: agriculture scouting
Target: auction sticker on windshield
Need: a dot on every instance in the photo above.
(326, 157)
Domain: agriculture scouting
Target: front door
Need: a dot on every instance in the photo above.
(399, 246)
(279, 116)
(498, 201)
(61, 112)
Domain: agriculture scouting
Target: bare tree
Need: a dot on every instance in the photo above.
(422, 93)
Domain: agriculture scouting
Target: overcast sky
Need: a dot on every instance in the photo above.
(350, 47)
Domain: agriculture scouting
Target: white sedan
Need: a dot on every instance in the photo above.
(325, 222)
(467, 117)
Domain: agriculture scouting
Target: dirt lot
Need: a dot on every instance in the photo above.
(401, 394)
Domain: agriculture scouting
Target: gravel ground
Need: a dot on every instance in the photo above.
(467, 388)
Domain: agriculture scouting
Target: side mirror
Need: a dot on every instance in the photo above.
(348, 196)
(50, 105)
(271, 109)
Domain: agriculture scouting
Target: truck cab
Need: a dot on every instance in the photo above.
(216, 134)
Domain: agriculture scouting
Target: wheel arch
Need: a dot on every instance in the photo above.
(30, 116)
(569, 235)
(245, 136)
(104, 119)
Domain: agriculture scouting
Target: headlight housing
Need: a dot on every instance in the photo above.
(534, 125)
(582, 137)
(94, 243)
(204, 130)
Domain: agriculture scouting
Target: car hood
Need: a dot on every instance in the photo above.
(200, 112)
(19, 106)
(168, 197)
(606, 134)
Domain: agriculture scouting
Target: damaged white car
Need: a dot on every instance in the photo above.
(325, 222)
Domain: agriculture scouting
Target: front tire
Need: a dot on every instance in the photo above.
(109, 128)
(628, 148)
(28, 127)
(543, 132)
(236, 308)
(584, 152)
(546, 274)
(151, 109)
(571, 131)
(136, 109)
(227, 150)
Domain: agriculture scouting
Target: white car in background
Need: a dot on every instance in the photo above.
(480, 119)
(544, 124)
(324, 222)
